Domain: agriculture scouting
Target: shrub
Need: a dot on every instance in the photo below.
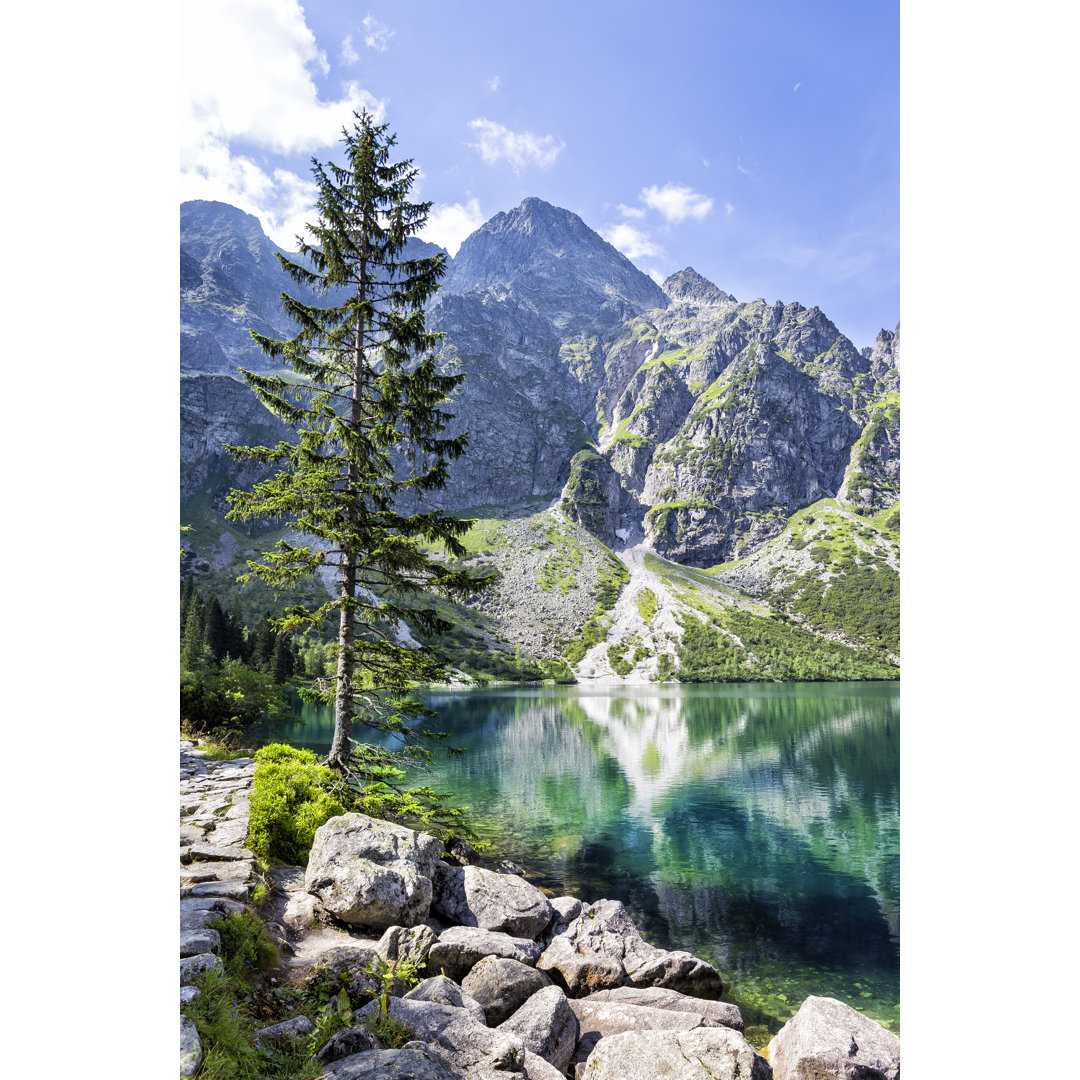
(292, 795)
(224, 700)
(245, 948)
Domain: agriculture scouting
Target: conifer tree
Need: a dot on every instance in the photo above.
(366, 403)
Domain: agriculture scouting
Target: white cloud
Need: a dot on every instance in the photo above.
(449, 224)
(519, 149)
(797, 85)
(231, 91)
(657, 277)
(281, 199)
(377, 35)
(349, 55)
(493, 83)
(632, 242)
(728, 209)
(677, 202)
(631, 211)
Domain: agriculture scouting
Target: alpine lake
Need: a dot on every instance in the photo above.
(756, 825)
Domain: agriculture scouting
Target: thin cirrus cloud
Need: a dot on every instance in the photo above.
(376, 34)
(349, 55)
(231, 95)
(496, 143)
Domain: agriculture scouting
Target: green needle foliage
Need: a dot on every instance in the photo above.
(366, 402)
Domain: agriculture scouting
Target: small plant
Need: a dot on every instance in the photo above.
(390, 1032)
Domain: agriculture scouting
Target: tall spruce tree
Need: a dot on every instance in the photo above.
(366, 404)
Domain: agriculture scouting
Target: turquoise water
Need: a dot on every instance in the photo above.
(755, 825)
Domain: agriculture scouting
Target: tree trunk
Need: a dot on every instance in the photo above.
(343, 701)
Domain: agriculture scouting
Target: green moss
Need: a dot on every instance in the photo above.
(646, 605)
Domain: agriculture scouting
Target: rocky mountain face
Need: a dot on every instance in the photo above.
(697, 422)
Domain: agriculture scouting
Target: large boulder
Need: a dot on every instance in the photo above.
(469, 1048)
(502, 985)
(372, 873)
(461, 947)
(827, 1038)
(601, 1019)
(715, 1053)
(657, 997)
(547, 1026)
(472, 896)
(601, 949)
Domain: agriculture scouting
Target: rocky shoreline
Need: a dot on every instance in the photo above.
(515, 984)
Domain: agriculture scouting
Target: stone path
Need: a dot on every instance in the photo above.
(216, 871)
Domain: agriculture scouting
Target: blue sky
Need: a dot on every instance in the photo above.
(757, 142)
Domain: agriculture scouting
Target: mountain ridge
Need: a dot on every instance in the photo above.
(677, 414)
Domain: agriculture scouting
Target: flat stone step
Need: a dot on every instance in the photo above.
(215, 871)
(229, 890)
(202, 850)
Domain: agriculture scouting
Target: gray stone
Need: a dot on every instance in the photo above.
(188, 994)
(443, 991)
(190, 1048)
(469, 1048)
(229, 890)
(460, 947)
(290, 1030)
(196, 912)
(199, 941)
(602, 948)
(657, 997)
(601, 1019)
(502, 986)
(192, 968)
(547, 1026)
(346, 1043)
(372, 873)
(472, 896)
(200, 850)
(827, 1038)
(715, 1053)
(190, 834)
(409, 944)
(408, 1063)
(215, 871)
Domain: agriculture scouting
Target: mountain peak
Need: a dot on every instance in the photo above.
(540, 249)
(688, 285)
